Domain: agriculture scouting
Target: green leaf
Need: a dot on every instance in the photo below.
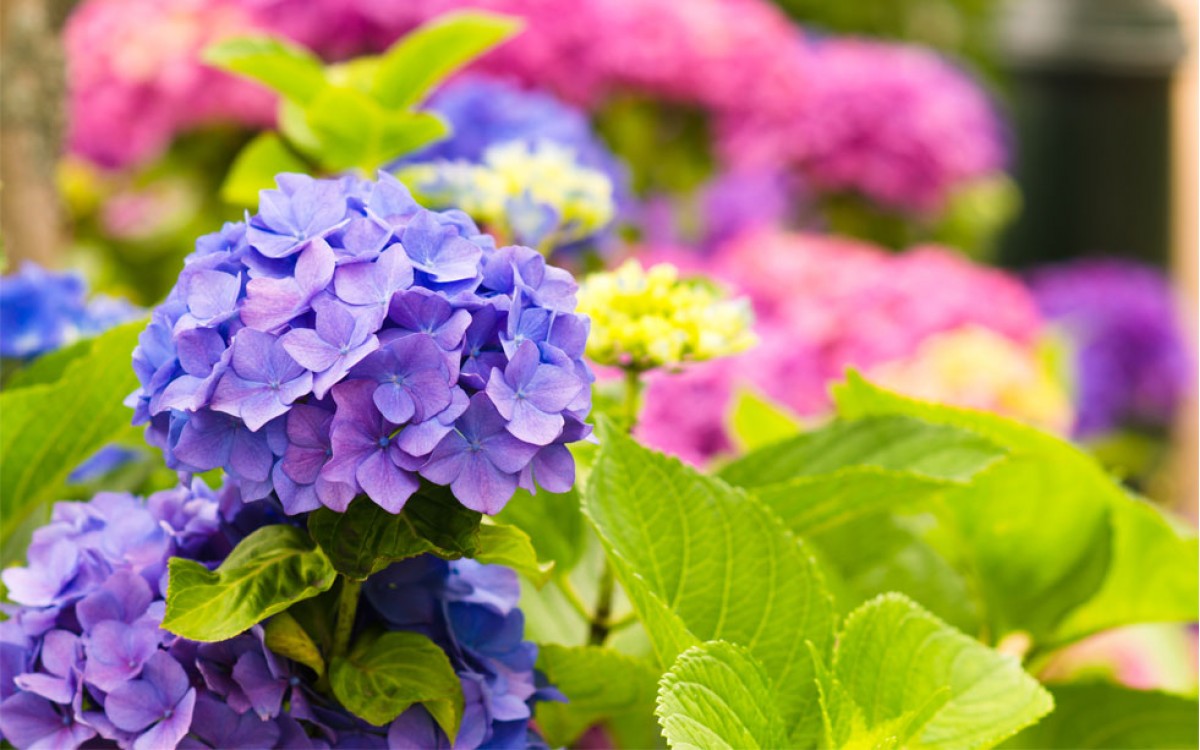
(282, 66)
(554, 524)
(414, 65)
(1101, 715)
(266, 573)
(286, 637)
(48, 367)
(881, 553)
(895, 661)
(387, 672)
(508, 545)
(889, 444)
(1046, 530)
(718, 696)
(702, 561)
(347, 126)
(404, 133)
(438, 516)
(44, 437)
(255, 167)
(599, 683)
(756, 422)
(365, 538)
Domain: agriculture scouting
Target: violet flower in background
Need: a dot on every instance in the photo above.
(1133, 365)
(332, 344)
(85, 659)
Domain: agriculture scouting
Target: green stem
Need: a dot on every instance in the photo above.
(347, 609)
(600, 624)
(633, 397)
(573, 598)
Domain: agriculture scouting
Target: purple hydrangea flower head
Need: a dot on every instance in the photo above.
(41, 311)
(1133, 365)
(345, 340)
(85, 659)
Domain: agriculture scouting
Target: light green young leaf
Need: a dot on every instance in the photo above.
(284, 67)
(554, 524)
(1012, 521)
(347, 126)
(255, 167)
(387, 672)
(414, 65)
(716, 695)
(406, 132)
(896, 661)
(508, 545)
(1092, 716)
(600, 684)
(702, 561)
(888, 443)
(40, 445)
(756, 422)
(267, 572)
(286, 637)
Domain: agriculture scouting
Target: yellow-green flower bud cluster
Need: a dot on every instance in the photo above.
(642, 319)
(534, 194)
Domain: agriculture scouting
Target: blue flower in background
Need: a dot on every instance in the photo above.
(41, 311)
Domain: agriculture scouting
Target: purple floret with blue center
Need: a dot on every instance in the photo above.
(345, 341)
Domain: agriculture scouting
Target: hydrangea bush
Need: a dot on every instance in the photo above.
(345, 340)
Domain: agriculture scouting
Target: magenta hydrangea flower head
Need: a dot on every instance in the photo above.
(346, 341)
(897, 125)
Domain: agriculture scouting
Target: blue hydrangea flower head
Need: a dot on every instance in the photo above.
(347, 341)
(41, 311)
(85, 660)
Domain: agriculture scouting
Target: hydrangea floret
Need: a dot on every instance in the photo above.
(652, 318)
(344, 341)
(537, 194)
(85, 659)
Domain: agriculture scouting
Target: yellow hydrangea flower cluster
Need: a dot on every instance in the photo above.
(643, 319)
(978, 368)
(533, 194)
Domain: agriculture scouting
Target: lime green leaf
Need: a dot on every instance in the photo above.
(365, 538)
(1047, 530)
(554, 524)
(1098, 715)
(255, 167)
(881, 553)
(266, 573)
(403, 133)
(286, 637)
(387, 672)
(347, 126)
(600, 684)
(508, 545)
(718, 696)
(888, 443)
(48, 367)
(414, 65)
(1143, 540)
(702, 561)
(756, 422)
(282, 66)
(43, 437)
(896, 661)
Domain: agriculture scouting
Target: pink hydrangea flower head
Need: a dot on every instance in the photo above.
(895, 124)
